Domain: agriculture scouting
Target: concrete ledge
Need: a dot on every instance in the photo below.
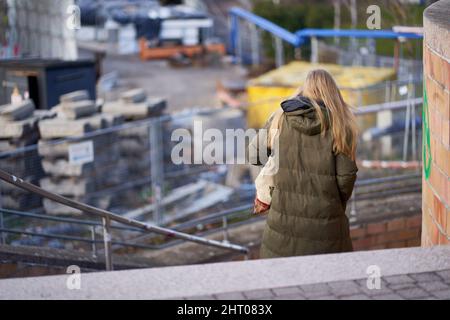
(62, 258)
(217, 278)
(436, 25)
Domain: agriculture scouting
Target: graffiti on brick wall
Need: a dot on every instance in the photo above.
(426, 149)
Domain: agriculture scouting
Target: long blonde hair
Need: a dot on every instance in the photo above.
(321, 87)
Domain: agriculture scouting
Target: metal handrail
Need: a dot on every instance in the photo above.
(74, 238)
(235, 212)
(239, 211)
(393, 105)
(107, 217)
(211, 218)
(61, 219)
(225, 214)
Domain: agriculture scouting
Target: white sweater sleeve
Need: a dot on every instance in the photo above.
(264, 181)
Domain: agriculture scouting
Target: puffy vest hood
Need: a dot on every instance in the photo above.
(302, 116)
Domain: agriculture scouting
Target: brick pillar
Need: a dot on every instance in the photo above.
(436, 139)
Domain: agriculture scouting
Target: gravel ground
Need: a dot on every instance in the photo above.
(183, 87)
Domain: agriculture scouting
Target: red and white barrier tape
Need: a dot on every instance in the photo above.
(375, 164)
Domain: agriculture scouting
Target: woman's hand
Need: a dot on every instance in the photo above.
(260, 207)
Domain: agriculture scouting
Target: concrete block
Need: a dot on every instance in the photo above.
(130, 146)
(54, 208)
(74, 96)
(138, 164)
(64, 169)
(69, 187)
(113, 120)
(133, 96)
(15, 112)
(17, 129)
(7, 145)
(98, 121)
(51, 149)
(77, 109)
(44, 114)
(7, 188)
(103, 163)
(20, 202)
(136, 111)
(141, 132)
(157, 105)
(60, 128)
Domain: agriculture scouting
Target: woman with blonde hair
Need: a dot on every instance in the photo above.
(316, 171)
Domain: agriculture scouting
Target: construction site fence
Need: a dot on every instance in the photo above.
(131, 173)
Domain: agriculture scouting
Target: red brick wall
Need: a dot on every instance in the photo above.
(400, 232)
(436, 185)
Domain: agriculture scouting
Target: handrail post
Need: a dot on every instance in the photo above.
(314, 50)
(107, 216)
(279, 52)
(107, 242)
(2, 234)
(412, 96)
(239, 49)
(298, 53)
(156, 167)
(225, 228)
(234, 33)
(353, 203)
(255, 45)
(94, 245)
(407, 126)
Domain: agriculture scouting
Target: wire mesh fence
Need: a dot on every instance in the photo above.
(129, 169)
(362, 53)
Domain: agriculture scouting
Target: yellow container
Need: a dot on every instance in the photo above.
(266, 92)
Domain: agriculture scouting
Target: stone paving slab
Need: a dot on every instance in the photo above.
(410, 273)
(428, 285)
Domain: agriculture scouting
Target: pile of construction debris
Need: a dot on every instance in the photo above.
(78, 168)
(18, 129)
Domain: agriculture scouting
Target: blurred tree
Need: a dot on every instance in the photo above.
(294, 15)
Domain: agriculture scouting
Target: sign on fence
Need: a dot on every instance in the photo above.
(82, 152)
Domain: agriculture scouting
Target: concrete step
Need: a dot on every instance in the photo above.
(342, 274)
(20, 261)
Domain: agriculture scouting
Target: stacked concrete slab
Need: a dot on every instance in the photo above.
(134, 104)
(84, 181)
(134, 142)
(18, 129)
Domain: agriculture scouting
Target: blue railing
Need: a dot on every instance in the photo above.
(300, 37)
(304, 34)
(260, 22)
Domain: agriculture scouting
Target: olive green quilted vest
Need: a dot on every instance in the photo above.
(312, 186)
